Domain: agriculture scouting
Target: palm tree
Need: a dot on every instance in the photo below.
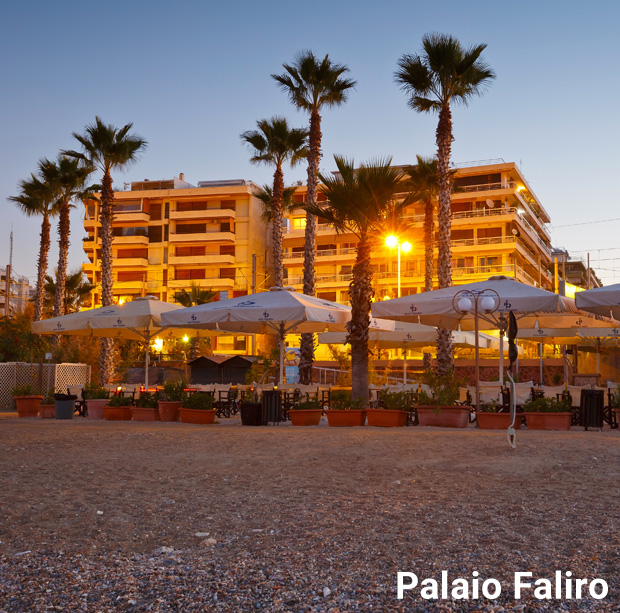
(275, 143)
(312, 84)
(196, 295)
(75, 294)
(107, 148)
(39, 198)
(69, 176)
(265, 195)
(359, 201)
(443, 73)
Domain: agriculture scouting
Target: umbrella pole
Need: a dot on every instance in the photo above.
(405, 364)
(281, 338)
(540, 363)
(501, 357)
(477, 346)
(146, 367)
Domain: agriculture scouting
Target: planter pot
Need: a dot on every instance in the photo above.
(28, 406)
(47, 411)
(144, 414)
(497, 421)
(197, 416)
(117, 413)
(65, 409)
(386, 418)
(353, 417)
(444, 416)
(95, 407)
(305, 417)
(251, 414)
(548, 421)
(169, 409)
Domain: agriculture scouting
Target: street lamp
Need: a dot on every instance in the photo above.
(487, 301)
(394, 241)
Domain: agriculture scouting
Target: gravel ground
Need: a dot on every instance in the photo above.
(126, 516)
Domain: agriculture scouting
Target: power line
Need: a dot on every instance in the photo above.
(585, 223)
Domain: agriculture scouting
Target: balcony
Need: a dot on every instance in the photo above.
(177, 260)
(321, 229)
(203, 214)
(214, 283)
(134, 262)
(127, 217)
(201, 237)
(324, 254)
(130, 240)
(128, 285)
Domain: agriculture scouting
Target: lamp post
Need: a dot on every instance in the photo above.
(486, 300)
(394, 241)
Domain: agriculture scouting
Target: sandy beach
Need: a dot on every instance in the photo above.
(129, 516)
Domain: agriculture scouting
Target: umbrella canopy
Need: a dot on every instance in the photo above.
(279, 311)
(136, 320)
(438, 308)
(600, 300)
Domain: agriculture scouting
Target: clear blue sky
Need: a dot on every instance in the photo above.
(192, 76)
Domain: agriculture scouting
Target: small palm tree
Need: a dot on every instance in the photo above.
(39, 198)
(358, 202)
(196, 295)
(76, 292)
(311, 84)
(265, 195)
(274, 143)
(69, 175)
(443, 73)
(107, 148)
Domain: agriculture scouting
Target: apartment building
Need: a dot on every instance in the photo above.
(170, 234)
(498, 227)
(19, 292)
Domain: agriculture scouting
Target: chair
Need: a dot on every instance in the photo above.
(80, 403)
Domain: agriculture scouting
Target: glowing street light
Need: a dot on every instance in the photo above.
(393, 241)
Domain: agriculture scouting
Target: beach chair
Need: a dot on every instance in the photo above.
(80, 402)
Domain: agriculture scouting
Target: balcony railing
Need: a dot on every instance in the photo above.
(321, 253)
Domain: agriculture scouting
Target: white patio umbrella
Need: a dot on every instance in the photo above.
(600, 300)
(279, 311)
(405, 336)
(139, 319)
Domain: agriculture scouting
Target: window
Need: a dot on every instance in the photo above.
(183, 274)
(167, 210)
(128, 207)
(227, 250)
(130, 275)
(182, 251)
(132, 253)
(345, 270)
(489, 232)
(458, 235)
(141, 231)
(228, 204)
(299, 223)
(331, 296)
(191, 228)
(239, 343)
(239, 292)
(227, 273)
(155, 234)
(225, 226)
(191, 206)
(155, 209)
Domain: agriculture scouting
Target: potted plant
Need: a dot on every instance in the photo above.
(26, 401)
(344, 411)
(96, 397)
(197, 409)
(251, 408)
(548, 414)
(171, 399)
(306, 412)
(489, 419)
(118, 408)
(146, 407)
(394, 411)
(47, 408)
(438, 407)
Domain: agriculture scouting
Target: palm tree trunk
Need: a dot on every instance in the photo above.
(44, 248)
(444, 221)
(276, 226)
(64, 230)
(106, 362)
(360, 295)
(429, 227)
(306, 351)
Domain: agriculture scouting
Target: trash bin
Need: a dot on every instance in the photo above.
(272, 406)
(65, 405)
(251, 413)
(591, 408)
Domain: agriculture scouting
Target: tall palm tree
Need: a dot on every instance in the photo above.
(69, 176)
(275, 143)
(196, 295)
(39, 198)
(444, 72)
(107, 148)
(358, 202)
(312, 84)
(76, 292)
(265, 195)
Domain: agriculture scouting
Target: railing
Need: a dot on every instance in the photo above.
(298, 255)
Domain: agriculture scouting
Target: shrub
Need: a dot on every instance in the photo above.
(309, 404)
(174, 390)
(23, 390)
(120, 401)
(547, 405)
(395, 401)
(198, 401)
(147, 400)
(444, 389)
(341, 400)
(94, 391)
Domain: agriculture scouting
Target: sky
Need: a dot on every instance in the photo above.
(192, 76)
